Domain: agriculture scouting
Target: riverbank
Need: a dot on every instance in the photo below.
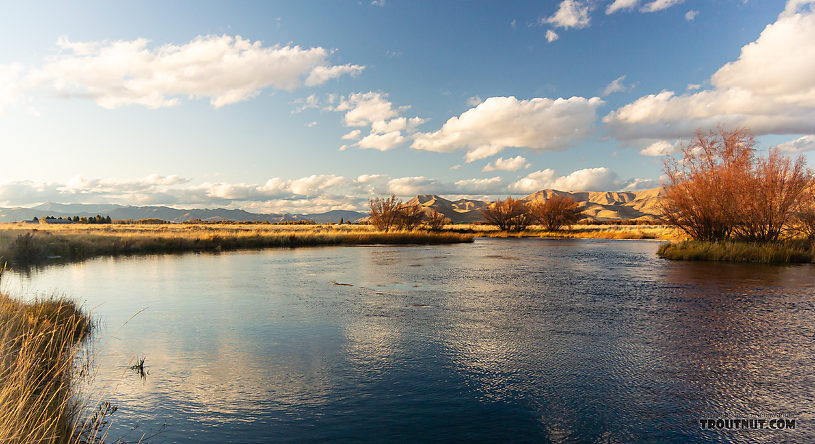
(22, 244)
(793, 251)
(655, 232)
(38, 344)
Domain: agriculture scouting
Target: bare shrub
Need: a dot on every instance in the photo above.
(555, 212)
(410, 216)
(436, 220)
(703, 192)
(719, 189)
(384, 213)
(509, 214)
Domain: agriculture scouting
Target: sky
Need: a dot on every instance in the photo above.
(308, 106)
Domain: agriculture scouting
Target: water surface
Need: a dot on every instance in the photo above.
(528, 340)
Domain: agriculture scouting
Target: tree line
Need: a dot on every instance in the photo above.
(511, 215)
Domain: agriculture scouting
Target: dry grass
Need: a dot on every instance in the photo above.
(23, 244)
(663, 232)
(789, 251)
(39, 342)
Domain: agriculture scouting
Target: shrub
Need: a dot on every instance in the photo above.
(720, 190)
(436, 220)
(384, 213)
(509, 214)
(555, 212)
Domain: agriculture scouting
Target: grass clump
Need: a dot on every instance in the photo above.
(39, 342)
(791, 251)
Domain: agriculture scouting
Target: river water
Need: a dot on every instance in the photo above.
(504, 339)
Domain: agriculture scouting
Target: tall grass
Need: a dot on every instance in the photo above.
(26, 246)
(39, 342)
(781, 252)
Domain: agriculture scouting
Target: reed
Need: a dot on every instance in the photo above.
(789, 251)
(39, 342)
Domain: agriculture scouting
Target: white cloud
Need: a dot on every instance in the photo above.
(10, 84)
(311, 124)
(619, 5)
(322, 74)
(474, 101)
(570, 14)
(615, 86)
(589, 179)
(799, 145)
(224, 69)
(504, 122)
(659, 5)
(660, 148)
(653, 6)
(693, 86)
(382, 142)
(375, 110)
(352, 135)
(551, 36)
(770, 89)
(691, 15)
(363, 109)
(511, 164)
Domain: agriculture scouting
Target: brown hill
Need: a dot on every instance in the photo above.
(609, 205)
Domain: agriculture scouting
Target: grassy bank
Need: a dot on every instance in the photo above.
(38, 344)
(21, 244)
(782, 252)
(580, 231)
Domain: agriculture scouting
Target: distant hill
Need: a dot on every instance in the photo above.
(166, 213)
(596, 205)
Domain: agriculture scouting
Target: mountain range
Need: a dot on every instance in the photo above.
(596, 205)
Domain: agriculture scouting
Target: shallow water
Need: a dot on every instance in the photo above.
(528, 340)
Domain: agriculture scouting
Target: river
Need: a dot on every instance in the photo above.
(503, 339)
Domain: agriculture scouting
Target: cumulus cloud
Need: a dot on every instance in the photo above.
(373, 109)
(619, 5)
(653, 6)
(382, 142)
(570, 14)
(691, 15)
(659, 5)
(10, 84)
(504, 122)
(615, 86)
(511, 164)
(352, 135)
(660, 148)
(551, 36)
(770, 89)
(223, 69)
(589, 179)
(799, 145)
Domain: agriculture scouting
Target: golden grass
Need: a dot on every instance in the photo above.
(38, 345)
(662, 232)
(24, 244)
(789, 251)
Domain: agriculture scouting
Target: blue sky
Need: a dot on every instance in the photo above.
(311, 106)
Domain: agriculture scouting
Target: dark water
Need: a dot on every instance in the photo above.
(519, 340)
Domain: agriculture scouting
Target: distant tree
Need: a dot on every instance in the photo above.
(36, 219)
(436, 220)
(410, 216)
(108, 220)
(509, 215)
(341, 221)
(555, 212)
(384, 213)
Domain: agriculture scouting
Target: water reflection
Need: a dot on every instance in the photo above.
(568, 340)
